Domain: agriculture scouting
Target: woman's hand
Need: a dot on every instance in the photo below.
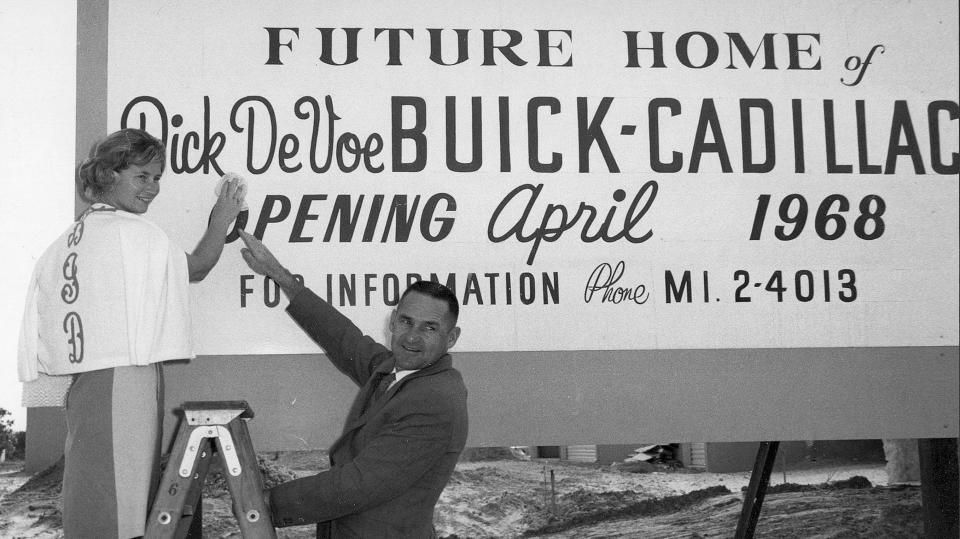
(233, 190)
(204, 257)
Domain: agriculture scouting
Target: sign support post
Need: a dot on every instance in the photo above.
(753, 499)
(938, 486)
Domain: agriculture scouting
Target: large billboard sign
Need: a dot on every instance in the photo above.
(602, 176)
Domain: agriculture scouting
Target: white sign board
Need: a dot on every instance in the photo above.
(605, 176)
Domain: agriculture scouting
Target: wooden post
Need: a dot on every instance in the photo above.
(753, 499)
(938, 487)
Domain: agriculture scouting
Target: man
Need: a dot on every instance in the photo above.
(397, 450)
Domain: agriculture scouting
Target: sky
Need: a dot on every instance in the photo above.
(37, 134)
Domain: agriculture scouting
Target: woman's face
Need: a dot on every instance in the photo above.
(135, 188)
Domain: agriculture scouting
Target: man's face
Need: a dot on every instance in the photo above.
(422, 330)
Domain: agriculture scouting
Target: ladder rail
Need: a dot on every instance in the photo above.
(169, 505)
(246, 489)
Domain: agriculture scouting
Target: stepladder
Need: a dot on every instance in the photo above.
(208, 430)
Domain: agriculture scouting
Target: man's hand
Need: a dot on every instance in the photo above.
(262, 261)
(259, 258)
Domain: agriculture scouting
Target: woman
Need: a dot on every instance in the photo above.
(108, 302)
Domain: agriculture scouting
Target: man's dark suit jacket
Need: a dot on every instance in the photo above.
(391, 463)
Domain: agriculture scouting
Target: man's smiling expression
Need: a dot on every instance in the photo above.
(423, 331)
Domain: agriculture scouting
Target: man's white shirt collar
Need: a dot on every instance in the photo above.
(400, 375)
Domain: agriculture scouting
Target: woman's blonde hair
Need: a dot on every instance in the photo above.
(114, 153)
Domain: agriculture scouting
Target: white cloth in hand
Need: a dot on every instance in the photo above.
(242, 184)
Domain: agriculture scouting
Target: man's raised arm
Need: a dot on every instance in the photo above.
(262, 261)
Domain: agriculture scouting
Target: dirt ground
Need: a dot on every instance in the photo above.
(507, 497)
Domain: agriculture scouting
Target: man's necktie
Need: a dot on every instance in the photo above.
(381, 389)
(384, 385)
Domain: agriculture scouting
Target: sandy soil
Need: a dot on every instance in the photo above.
(513, 498)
